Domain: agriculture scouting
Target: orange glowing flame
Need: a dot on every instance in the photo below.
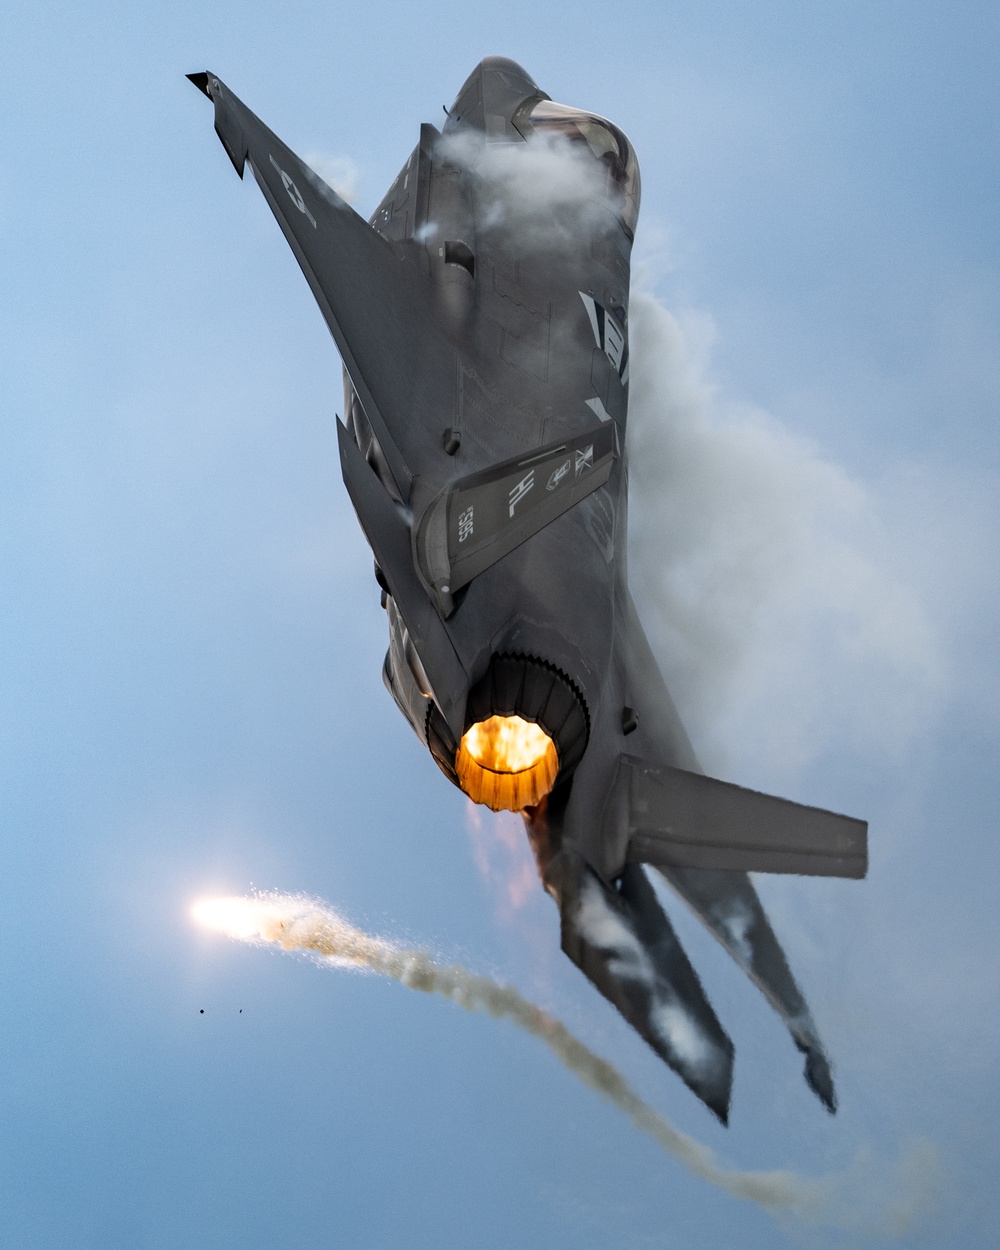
(507, 763)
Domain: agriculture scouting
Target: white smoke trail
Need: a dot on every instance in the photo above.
(298, 923)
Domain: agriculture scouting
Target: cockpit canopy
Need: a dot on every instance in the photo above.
(608, 144)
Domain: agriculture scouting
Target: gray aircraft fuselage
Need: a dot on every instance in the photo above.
(482, 318)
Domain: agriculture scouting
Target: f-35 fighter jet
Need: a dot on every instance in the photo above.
(482, 319)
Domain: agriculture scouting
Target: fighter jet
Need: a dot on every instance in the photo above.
(482, 319)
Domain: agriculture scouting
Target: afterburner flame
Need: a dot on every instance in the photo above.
(507, 763)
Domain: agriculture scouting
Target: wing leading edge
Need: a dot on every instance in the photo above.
(375, 304)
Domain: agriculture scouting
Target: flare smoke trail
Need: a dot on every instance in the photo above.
(298, 923)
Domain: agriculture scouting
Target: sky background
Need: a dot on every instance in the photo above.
(191, 641)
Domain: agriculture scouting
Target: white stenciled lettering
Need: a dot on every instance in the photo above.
(584, 459)
(294, 194)
(521, 489)
(465, 523)
(557, 475)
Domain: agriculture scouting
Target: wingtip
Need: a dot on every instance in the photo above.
(819, 1078)
(715, 1087)
(200, 81)
(720, 1109)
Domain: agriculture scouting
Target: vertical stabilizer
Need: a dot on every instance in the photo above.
(622, 940)
(728, 905)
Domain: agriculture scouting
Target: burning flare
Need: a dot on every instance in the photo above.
(507, 763)
(295, 922)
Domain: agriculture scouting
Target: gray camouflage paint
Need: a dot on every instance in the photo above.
(482, 318)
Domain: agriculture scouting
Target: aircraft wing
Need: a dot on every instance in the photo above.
(376, 305)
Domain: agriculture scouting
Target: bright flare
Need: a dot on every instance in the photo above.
(262, 918)
(507, 763)
(235, 917)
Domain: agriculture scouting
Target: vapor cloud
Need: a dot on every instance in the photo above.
(770, 580)
(338, 172)
(554, 192)
(859, 1201)
(769, 583)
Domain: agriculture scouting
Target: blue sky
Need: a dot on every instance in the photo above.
(192, 641)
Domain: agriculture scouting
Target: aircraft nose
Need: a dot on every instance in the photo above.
(494, 90)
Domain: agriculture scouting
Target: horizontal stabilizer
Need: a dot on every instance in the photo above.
(622, 940)
(727, 903)
(683, 819)
(482, 517)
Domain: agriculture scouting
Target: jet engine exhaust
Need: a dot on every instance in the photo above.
(298, 923)
(507, 763)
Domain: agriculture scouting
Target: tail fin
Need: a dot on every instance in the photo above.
(481, 517)
(622, 940)
(727, 904)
